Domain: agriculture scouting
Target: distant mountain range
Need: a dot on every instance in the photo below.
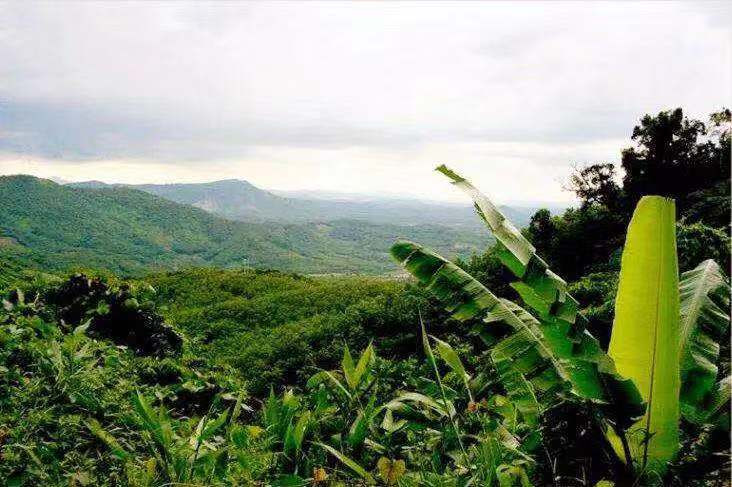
(130, 231)
(240, 200)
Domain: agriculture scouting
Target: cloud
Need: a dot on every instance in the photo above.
(183, 85)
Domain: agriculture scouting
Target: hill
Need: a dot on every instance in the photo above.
(240, 200)
(130, 231)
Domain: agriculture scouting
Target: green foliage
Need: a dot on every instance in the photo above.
(710, 206)
(698, 242)
(705, 322)
(562, 356)
(65, 395)
(131, 232)
(126, 425)
(599, 229)
(274, 327)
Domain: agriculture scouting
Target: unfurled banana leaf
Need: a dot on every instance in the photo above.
(645, 337)
(541, 352)
(540, 288)
(703, 324)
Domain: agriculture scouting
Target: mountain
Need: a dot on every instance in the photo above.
(240, 200)
(131, 231)
(235, 199)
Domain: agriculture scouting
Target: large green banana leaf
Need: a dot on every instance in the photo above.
(540, 351)
(539, 287)
(645, 337)
(703, 293)
(545, 292)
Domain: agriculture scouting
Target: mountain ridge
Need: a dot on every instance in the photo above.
(239, 199)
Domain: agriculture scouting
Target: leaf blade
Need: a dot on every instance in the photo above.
(702, 326)
(645, 337)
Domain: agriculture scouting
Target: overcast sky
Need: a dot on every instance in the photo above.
(354, 97)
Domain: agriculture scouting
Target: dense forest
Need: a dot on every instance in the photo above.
(549, 357)
(130, 232)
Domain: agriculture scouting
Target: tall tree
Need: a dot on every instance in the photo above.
(596, 184)
(675, 156)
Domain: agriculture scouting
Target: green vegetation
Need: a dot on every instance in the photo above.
(490, 371)
(126, 231)
(275, 328)
(99, 411)
(551, 355)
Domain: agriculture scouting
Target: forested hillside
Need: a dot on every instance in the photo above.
(275, 328)
(128, 231)
(240, 200)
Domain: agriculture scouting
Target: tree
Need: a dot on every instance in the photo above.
(675, 156)
(596, 184)
(541, 229)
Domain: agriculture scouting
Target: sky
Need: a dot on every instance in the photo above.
(363, 97)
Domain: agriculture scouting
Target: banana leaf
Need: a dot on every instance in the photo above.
(704, 293)
(545, 293)
(542, 352)
(645, 336)
(539, 287)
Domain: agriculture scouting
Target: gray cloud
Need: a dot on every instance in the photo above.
(187, 83)
(84, 131)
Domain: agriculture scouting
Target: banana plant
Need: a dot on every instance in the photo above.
(550, 354)
(665, 335)
(569, 356)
